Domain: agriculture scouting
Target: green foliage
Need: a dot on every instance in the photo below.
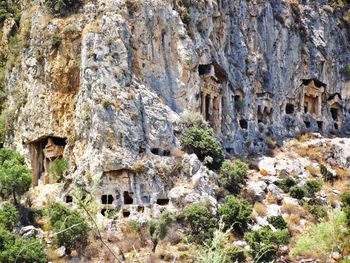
(286, 184)
(8, 216)
(319, 240)
(265, 243)
(318, 211)
(235, 213)
(236, 254)
(6, 239)
(312, 187)
(346, 70)
(15, 177)
(8, 9)
(159, 228)
(69, 225)
(217, 250)
(202, 142)
(278, 222)
(63, 7)
(232, 174)
(58, 167)
(297, 192)
(56, 41)
(201, 222)
(345, 199)
(23, 250)
(328, 176)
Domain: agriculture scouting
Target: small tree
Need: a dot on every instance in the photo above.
(201, 222)
(159, 228)
(313, 186)
(58, 167)
(265, 243)
(8, 216)
(23, 250)
(202, 142)
(69, 225)
(15, 177)
(63, 7)
(235, 213)
(232, 174)
(297, 191)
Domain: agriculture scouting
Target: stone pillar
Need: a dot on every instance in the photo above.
(319, 105)
(203, 104)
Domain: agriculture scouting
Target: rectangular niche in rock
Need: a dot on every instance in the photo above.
(43, 152)
(307, 124)
(289, 108)
(128, 200)
(244, 124)
(204, 69)
(126, 213)
(107, 199)
(69, 199)
(320, 125)
(312, 94)
(162, 201)
(334, 113)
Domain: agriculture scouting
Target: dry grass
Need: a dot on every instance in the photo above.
(270, 199)
(292, 209)
(343, 173)
(293, 219)
(313, 171)
(260, 209)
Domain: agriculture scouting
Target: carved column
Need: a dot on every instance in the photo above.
(203, 104)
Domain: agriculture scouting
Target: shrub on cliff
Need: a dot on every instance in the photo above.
(22, 250)
(298, 192)
(15, 177)
(70, 226)
(58, 167)
(286, 184)
(8, 216)
(265, 243)
(8, 9)
(232, 174)
(235, 213)
(201, 141)
(200, 221)
(63, 7)
(159, 228)
(313, 186)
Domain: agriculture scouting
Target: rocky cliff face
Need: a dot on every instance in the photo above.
(112, 78)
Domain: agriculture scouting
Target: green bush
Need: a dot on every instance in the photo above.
(345, 199)
(15, 177)
(23, 250)
(58, 167)
(235, 254)
(328, 176)
(201, 222)
(235, 213)
(232, 174)
(8, 9)
(312, 187)
(265, 243)
(320, 239)
(63, 7)
(278, 222)
(6, 239)
(318, 211)
(8, 216)
(202, 142)
(56, 41)
(159, 228)
(297, 192)
(69, 225)
(286, 184)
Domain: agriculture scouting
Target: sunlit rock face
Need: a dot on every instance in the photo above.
(113, 78)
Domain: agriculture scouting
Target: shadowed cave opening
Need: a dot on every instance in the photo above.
(289, 108)
(204, 69)
(162, 201)
(107, 199)
(127, 198)
(244, 124)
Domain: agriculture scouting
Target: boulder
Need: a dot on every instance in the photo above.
(256, 190)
